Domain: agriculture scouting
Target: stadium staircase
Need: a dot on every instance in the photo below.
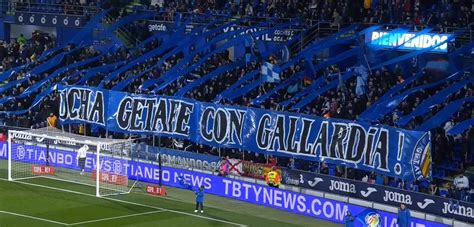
(122, 33)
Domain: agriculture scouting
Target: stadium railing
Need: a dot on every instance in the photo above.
(316, 28)
(47, 8)
(163, 15)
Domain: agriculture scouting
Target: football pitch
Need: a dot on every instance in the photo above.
(56, 203)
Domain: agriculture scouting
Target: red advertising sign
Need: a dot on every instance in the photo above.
(110, 178)
(43, 170)
(155, 190)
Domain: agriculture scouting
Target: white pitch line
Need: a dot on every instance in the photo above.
(133, 203)
(32, 217)
(178, 212)
(117, 217)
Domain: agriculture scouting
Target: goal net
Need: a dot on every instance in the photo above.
(42, 155)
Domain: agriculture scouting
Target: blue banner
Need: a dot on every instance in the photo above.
(289, 201)
(445, 114)
(438, 98)
(8, 74)
(201, 80)
(234, 91)
(53, 62)
(379, 193)
(318, 92)
(90, 73)
(461, 127)
(385, 107)
(390, 151)
(38, 98)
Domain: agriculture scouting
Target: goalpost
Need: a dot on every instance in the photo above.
(39, 155)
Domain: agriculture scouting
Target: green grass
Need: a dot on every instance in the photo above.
(63, 208)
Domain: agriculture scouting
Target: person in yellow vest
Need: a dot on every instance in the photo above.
(82, 129)
(273, 178)
(52, 120)
(367, 4)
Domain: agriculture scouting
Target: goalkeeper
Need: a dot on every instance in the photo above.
(81, 157)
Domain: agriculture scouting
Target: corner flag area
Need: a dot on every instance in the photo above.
(56, 203)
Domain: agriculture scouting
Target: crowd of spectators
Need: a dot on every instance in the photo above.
(346, 101)
(20, 51)
(435, 13)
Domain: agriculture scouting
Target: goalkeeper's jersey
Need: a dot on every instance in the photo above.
(82, 152)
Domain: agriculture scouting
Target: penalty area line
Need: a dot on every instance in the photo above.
(125, 201)
(33, 217)
(178, 212)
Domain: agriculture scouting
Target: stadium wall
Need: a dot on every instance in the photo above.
(4, 30)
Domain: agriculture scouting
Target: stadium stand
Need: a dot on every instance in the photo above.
(421, 93)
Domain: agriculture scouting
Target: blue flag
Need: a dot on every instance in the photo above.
(362, 77)
(270, 72)
(293, 88)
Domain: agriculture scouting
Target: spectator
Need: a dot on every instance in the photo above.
(249, 10)
(224, 168)
(371, 179)
(3, 136)
(337, 19)
(462, 186)
(452, 192)
(291, 163)
(340, 171)
(403, 219)
(21, 40)
(324, 168)
(349, 219)
(52, 120)
(272, 160)
(433, 189)
(448, 126)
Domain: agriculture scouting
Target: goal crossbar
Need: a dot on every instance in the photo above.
(93, 141)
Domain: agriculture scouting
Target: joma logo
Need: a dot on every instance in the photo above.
(315, 181)
(21, 136)
(342, 186)
(397, 197)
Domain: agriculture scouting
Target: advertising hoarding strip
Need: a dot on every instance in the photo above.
(379, 193)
